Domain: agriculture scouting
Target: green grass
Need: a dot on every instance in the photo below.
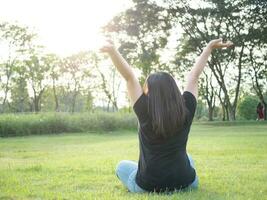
(231, 163)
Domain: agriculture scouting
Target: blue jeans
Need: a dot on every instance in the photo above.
(126, 171)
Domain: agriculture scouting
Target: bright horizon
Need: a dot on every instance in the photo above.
(63, 27)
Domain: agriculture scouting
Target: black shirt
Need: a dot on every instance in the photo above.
(163, 163)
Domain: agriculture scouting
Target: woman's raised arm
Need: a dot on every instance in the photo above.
(133, 86)
(193, 76)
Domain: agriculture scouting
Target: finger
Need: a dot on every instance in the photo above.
(228, 44)
(218, 40)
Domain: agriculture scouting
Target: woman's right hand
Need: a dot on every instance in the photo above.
(107, 47)
(218, 43)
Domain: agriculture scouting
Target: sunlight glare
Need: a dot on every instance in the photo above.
(64, 27)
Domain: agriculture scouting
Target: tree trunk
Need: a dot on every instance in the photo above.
(223, 110)
(108, 105)
(55, 97)
(237, 91)
(5, 96)
(37, 100)
(114, 105)
(211, 109)
(8, 69)
(227, 111)
(225, 116)
(231, 114)
(36, 104)
(73, 103)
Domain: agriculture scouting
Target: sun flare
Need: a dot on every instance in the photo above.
(64, 27)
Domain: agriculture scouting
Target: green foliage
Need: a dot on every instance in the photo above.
(15, 41)
(20, 100)
(247, 107)
(143, 31)
(51, 123)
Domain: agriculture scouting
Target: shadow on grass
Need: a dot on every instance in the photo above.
(199, 194)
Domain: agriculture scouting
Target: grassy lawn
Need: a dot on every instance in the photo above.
(231, 163)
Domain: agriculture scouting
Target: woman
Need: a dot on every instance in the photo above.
(165, 116)
(260, 112)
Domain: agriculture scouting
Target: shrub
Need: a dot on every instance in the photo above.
(50, 123)
(247, 107)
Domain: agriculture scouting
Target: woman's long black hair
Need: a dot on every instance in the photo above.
(165, 104)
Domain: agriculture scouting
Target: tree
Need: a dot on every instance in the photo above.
(200, 26)
(16, 40)
(20, 101)
(37, 71)
(89, 101)
(53, 62)
(247, 107)
(109, 80)
(256, 58)
(75, 69)
(233, 21)
(258, 73)
(48, 101)
(143, 31)
(207, 91)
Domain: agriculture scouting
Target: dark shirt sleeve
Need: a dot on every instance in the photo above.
(140, 108)
(190, 103)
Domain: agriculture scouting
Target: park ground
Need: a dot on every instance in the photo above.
(231, 162)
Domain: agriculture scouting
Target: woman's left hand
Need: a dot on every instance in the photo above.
(218, 43)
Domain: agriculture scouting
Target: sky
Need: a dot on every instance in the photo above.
(64, 26)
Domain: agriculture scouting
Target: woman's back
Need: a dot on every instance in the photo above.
(163, 162)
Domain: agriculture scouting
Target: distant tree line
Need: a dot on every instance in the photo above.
(32, 80)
